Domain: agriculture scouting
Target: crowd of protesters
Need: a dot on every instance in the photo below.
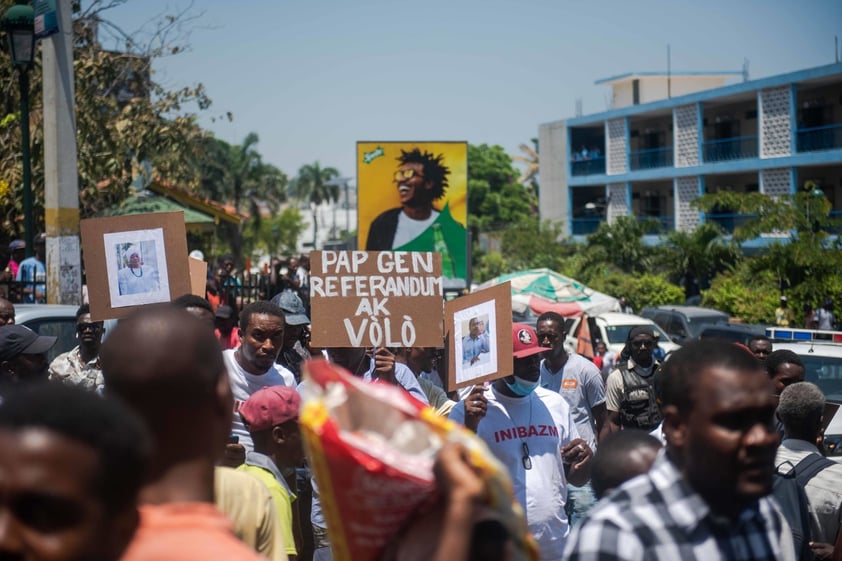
(175, 436)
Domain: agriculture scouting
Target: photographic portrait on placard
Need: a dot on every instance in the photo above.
(476, 344)
(134, 261)
(477, 338)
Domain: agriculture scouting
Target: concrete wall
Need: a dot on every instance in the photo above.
(654, 88)
(553, 198)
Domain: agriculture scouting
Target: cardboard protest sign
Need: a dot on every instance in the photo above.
(478, 329)
(134, 260)
(198, 277)
(376, 299)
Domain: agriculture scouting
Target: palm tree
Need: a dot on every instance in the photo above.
(313, 184)
(237, 173)
(529, 175)
(696, 257)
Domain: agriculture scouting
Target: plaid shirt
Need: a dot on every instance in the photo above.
(657, 517)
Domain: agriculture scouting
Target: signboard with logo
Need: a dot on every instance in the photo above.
(46, 18)
(413, 196)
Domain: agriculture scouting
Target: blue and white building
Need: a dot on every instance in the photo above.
(668, 139)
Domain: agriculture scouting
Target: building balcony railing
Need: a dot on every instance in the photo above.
(813, 139)
(729, 221)
(658, 224)
(726, 149)
(592, 166)
(651, 158)
(585, 226)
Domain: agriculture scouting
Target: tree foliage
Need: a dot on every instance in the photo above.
(127, 121)
(236, 173)
(642, 290)
(693, 258)
(619, 246)
(277, 235)
(802, 259)
(495, 199)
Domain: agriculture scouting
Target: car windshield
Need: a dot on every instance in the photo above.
(696, 323)
(826, 373)
(619, 334)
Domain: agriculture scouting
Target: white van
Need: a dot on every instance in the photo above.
(613, 328)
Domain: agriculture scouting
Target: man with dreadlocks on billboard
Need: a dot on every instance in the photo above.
(417, 225)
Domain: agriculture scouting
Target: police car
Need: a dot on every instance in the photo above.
(821, 352)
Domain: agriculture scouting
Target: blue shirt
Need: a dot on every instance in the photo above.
(34, 274)
(471, 348)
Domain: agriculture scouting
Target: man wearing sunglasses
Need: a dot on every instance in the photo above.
(531, 430)
(80, 366)
(421, 179)
(630, 396)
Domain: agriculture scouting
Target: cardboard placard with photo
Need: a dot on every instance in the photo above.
(478, 331)
(134, 260)
(376, 299)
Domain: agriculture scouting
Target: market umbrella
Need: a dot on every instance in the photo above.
(543, 290)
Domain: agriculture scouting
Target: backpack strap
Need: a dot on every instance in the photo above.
(810, 466)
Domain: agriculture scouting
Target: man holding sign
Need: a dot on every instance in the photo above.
(531, 430)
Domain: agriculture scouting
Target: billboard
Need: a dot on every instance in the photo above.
(413, 196)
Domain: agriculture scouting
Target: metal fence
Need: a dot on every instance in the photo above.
(236, 291)
(30, 292)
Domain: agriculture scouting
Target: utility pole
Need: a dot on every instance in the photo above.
(61, 184)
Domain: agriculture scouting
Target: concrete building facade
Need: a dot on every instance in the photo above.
(650, 155)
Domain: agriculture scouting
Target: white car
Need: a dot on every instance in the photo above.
(50, 319)
(822, 358)
(613, 328)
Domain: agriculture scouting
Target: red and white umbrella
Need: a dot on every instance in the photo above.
(543, 290)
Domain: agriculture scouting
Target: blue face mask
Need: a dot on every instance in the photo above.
(522, 387)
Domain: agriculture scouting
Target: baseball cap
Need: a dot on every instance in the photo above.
(783, 298)
(197, 254)
(524, 341)
(292, 306)
(16, 245)
(224, 312)
(269, 407)
(17, 339)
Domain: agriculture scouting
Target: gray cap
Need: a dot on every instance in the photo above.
(19, 340)
(294, 311)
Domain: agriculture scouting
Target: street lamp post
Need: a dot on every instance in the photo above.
(18, 23)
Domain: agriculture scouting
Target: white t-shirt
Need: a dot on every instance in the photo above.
(243, 385)
(408, 229)
(543, 421)
(137, 281)
(580, 383)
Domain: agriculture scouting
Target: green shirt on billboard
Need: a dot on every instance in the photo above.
(445, 235)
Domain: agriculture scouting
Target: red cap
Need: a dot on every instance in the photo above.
(270, 407)
(524, 341)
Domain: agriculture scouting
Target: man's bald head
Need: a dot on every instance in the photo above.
(164, 362)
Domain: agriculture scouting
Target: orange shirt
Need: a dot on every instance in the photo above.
(185, 532)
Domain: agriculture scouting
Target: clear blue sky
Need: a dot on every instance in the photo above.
(312, 77)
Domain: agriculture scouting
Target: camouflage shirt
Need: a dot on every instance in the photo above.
(69, 369)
